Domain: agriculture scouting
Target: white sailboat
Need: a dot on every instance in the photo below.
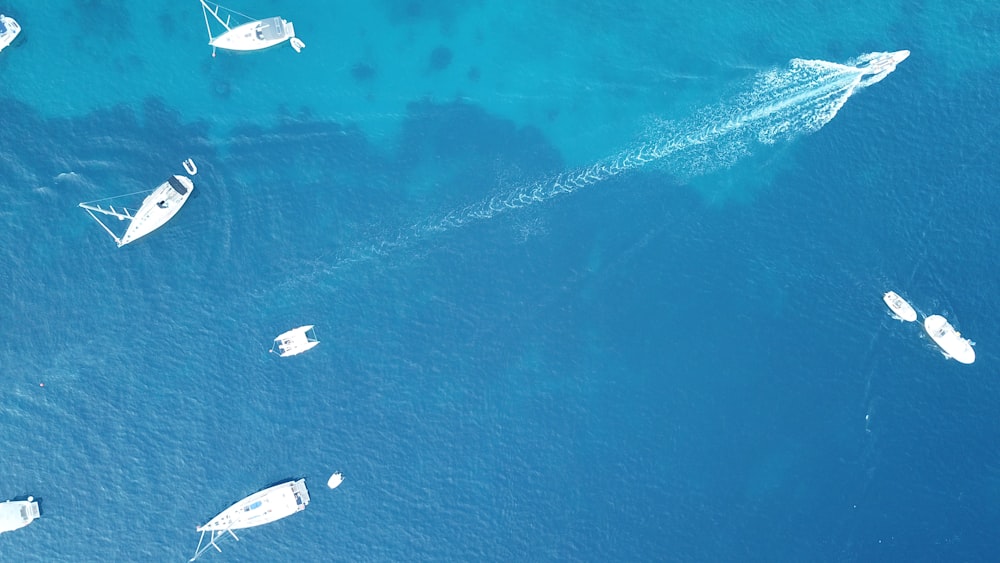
(252, 35)
(949, 340)
(295, 341)
(9, 29)
(158, 207)
(263, 507)
(899, 307)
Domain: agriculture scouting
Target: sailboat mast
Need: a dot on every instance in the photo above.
(208, 28)
(113, 235)
(215, 13)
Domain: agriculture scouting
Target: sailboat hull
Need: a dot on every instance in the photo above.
(158, 208)
(255, 35)
(263, 507)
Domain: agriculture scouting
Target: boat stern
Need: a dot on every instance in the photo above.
(17, 514)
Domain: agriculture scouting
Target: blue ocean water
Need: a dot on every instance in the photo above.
(578, 300)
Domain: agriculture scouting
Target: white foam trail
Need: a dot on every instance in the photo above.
(780, 105)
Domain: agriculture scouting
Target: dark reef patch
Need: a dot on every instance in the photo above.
(440, 59)
(363, 72)
(417, 11)
(471, 150)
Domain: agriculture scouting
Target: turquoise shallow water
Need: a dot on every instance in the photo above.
(534, 347)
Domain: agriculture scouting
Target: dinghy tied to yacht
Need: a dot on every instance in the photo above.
(251, 35)
(899, 307)
(263, 507)
(295, 341)
(158, 207)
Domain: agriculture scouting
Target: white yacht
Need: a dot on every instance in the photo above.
(252, 35)
(949, 339)
(263, 507)
(158, 207)
(335, 480)
(9, 29)
(899, 307)
(15, 514)
(295, 341)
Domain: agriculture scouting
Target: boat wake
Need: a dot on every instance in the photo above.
(779, 105)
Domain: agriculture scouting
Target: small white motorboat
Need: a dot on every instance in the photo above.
(335, 480)
(899, 307)
(16, 514)
(949, 340)
(9, 29)
(876, 66)
(295, 341)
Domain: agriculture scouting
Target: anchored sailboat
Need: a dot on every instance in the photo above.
(252, 35)
(158, 207)
(263, 507)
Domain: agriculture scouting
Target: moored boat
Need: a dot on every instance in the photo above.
(252, 35)
(262, 507)
(899, 307)
(16, 514)
(295, 341)
(949, 340)
(158, 207)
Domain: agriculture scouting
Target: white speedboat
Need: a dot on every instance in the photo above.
(9, 29)
(295, 341)
(949, 339)
(15, 514)
(877, 66)
(263, 507)
(335, 480)
(158, 207)
(899, 307)
(252, 35)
